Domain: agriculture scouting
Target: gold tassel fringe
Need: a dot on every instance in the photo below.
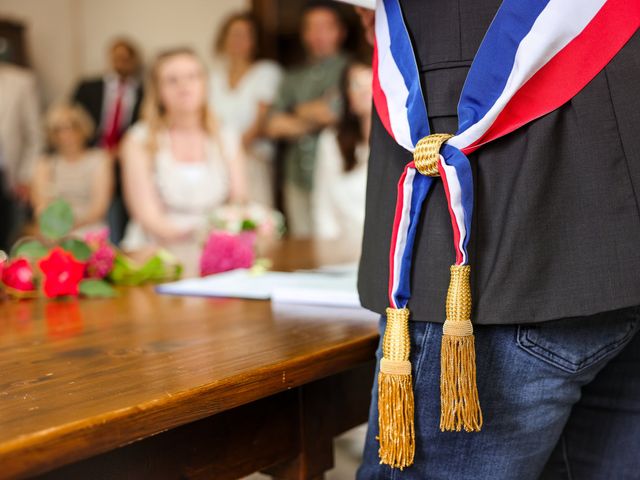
(395, 393)
(459, 402)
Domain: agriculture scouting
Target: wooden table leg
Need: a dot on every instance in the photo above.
(327, 408)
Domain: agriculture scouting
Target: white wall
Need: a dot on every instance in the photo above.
(50, 38)
(67, 39)
(156, 24)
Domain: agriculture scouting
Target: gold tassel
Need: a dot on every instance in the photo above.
(395, 393)
(459, 403)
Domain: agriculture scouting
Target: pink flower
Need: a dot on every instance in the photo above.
(226, 251)
(101, 261)
(97, 238)
(18, 275)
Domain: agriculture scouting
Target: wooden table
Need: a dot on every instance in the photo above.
(156, 387)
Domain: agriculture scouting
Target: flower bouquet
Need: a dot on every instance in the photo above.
(238, 232)
(58, 264)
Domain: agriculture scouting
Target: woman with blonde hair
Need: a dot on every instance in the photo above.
(79, 175)
(177, 165)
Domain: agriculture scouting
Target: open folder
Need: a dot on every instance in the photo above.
(329, 287)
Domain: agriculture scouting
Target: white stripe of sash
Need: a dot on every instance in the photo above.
(559, 23)
(392, 82)
(403, 228)
(455, 197)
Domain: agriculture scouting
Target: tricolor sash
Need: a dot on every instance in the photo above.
(536, 56)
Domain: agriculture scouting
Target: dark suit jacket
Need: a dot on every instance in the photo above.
(556, 227)
(90, 94)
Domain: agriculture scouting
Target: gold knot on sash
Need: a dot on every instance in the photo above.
(426, 155)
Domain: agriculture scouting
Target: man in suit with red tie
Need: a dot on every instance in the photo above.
(113, 101)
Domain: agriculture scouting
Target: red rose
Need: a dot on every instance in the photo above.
(18, 275)
(62, 273)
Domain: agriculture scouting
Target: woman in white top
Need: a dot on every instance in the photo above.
(341, 166)
(81, 176)
(176, 169)
(242, 89)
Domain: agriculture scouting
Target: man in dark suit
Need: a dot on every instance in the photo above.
(113, 101)
(555, 251)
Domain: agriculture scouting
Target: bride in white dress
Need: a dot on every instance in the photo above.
(178, 167)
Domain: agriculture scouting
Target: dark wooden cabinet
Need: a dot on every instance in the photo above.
(12, 43)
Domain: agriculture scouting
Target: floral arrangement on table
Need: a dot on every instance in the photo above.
(238, 234)
(56, 263)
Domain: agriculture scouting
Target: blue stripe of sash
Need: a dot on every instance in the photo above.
(494, 60)
(421, 187)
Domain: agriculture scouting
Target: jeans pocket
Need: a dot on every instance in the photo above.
(574, 344)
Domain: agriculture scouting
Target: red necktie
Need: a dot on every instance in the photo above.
(112, 133)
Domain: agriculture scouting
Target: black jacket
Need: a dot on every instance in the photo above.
(556, 227)
(90, 94)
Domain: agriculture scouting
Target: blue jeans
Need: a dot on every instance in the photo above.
(561, 400)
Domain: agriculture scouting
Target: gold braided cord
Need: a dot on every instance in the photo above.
(426, 155)
(395, 367)
(457, 329)
(459, 294)
(396, 343)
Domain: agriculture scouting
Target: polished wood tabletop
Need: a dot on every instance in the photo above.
(81, 377)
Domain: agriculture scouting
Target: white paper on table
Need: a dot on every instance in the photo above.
(285, 311)
(235, 284)
(318, 289)
(371, 4)
(302, 288)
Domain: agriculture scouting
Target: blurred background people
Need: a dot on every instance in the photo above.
(307, 102)
(113, 101)
(340, 178)
(177, 167)
(242, 89)
(74, 172)
(20, 145)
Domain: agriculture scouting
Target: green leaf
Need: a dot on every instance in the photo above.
(96, 289)
(56, 220)
(248, 225)
(123, 271)
(162, 267)
(78, 248)
(31, 249)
